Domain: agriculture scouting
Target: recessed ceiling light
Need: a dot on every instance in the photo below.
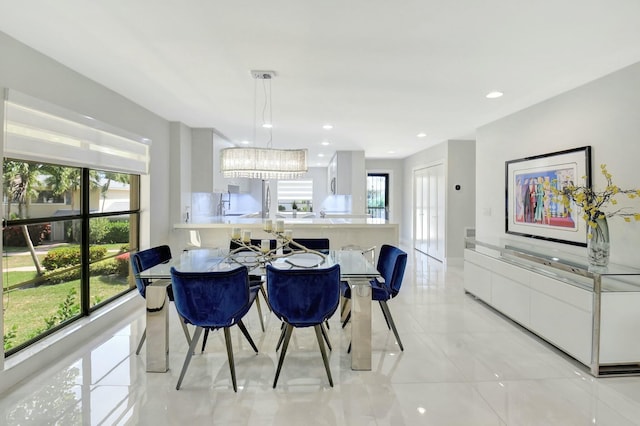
(320, 155)
(325, 143)
(327, 127)
(267, 125)
(422, 135)
(494, 94)
(245, 142)
(391, 152)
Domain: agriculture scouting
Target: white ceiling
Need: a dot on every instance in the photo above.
(380, 71)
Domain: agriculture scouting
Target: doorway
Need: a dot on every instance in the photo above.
(429, 211)
(378, 195)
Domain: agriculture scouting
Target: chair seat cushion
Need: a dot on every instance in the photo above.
(379, 290)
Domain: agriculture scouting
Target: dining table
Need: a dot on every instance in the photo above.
(355, 268)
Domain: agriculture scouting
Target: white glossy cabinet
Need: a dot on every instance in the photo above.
(346, 172)
(592, 315)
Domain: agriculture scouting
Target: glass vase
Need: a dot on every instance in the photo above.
(598, 243)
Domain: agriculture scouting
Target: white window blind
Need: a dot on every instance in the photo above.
(36, 130)
(290, 190)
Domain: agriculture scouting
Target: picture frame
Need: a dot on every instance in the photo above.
(531, 208)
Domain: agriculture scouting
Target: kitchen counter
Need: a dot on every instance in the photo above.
(342, 232)
(251, 223)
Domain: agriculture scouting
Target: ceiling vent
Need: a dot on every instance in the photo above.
(263, 75)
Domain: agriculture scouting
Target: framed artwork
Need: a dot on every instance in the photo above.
(531, 209)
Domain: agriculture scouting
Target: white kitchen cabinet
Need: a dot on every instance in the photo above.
(590, 314)
(206, 175)
(346, 172)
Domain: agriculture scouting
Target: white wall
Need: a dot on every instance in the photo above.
(461, 204)
(604, 114)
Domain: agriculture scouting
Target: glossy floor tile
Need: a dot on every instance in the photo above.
(463, 364)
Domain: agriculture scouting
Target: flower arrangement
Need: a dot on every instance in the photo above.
(592, 202)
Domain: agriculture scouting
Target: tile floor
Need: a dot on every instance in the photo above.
(463, 364)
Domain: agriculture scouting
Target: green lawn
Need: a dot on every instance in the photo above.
(17, 277)
(27, 308)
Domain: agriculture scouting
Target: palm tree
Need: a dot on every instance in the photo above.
(19, 179)
(111, 176)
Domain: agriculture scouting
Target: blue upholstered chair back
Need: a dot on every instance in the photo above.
(317, 244)
(211, 299)
(145, 259)
(303, 297)
(391, 265)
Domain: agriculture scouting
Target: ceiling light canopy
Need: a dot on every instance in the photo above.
(263, 163)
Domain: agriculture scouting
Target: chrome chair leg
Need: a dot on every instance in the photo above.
(345, 309)
(260, 313)
(264, 296)
(346, 320)
(326, 337)
(385, 315)
(232, 367)
(325, 360)
(283, 329)
(185, 330)
(204, 338)
(244, 331)
(288, 329)
(385, 309)
(142, 339)
(187, 360)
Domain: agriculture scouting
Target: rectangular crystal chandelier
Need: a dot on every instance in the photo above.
(263, 163)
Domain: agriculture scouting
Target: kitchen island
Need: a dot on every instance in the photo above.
(215, 231)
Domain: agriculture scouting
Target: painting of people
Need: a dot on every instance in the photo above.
(532, 210)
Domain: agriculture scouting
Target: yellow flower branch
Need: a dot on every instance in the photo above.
(592, 202)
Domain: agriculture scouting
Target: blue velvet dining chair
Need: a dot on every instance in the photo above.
(303, 298)
(213, 300)
(143, 260)
(317, 244)
(255, 281)
(391, 264)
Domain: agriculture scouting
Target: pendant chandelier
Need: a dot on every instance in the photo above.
(263, 163)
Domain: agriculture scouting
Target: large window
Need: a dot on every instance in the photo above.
(66, 240)
(295, 195)
(70, 215)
